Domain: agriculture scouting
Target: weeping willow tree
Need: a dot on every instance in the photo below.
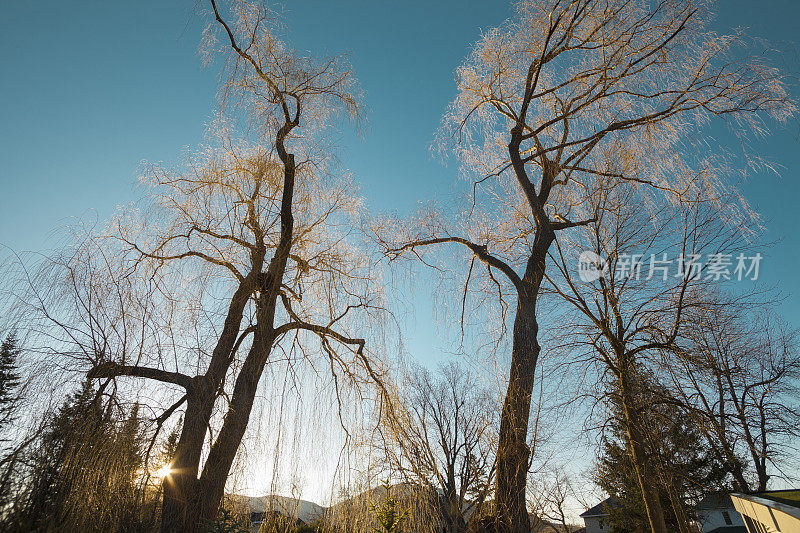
(243, 254)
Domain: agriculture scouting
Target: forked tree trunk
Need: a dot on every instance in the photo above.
(197, 501)
(453, 518)
(211, 487)
(180, 486)
(718, 441)
(190, 501)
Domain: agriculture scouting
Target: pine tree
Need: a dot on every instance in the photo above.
(678, 449)
(124, 457)
(9, 378)
(129, 442)
(389, 514)
(49, 486)
(9, 397)
(170, 445)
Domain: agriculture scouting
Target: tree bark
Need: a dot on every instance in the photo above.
(652, 503)
(678, 507)
(454, 518)
(211, 487)
(513, 454)
(757, 455)
(180, 486)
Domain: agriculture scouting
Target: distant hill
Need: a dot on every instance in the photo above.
(400, 491)
(309, 512)
(289, 507)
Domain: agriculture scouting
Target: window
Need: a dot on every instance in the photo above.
(727, 517)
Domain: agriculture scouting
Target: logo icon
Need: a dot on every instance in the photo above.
(591, 266)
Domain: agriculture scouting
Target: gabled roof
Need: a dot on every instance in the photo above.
(786, 496)
(601, 509)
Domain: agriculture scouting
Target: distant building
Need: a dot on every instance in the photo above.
(596, 519)
(717, 514)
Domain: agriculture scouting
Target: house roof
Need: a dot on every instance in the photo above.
(601, 508)
(716, 500)
(787, 496)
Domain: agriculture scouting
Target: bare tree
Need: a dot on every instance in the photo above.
(631, 314)
(561, 94)
(440, 437)
(738, 376)
(549, 502)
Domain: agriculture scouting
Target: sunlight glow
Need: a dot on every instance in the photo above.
(164, 471)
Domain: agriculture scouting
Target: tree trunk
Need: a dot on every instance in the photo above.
(718, 442)
(513, 453)
(211, 487)
(179, 487)
(652, 503)
(678, 507)
(759, 460)
(192, 501)
(454, 517)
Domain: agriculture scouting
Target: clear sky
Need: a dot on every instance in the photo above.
(89, 89)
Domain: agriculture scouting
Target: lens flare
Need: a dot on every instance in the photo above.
(164, 471)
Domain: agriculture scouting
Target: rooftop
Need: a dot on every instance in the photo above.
(788, 497)
(601, 509)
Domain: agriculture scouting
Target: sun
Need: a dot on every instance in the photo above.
(164, 471)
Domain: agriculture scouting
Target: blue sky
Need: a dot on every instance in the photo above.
(89, 89)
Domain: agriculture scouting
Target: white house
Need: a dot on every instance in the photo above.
(717, 514)
(596, 519)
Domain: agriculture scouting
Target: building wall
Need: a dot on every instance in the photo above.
(767, 515)
(597, 525)
(711, 519)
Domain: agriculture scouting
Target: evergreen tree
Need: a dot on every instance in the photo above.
(86, 469)
(49, 486)
(124, 463)
(170, 445)
(9, 396)
(617, 477)
(9, 378)
(389, 514)
(677, 449)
